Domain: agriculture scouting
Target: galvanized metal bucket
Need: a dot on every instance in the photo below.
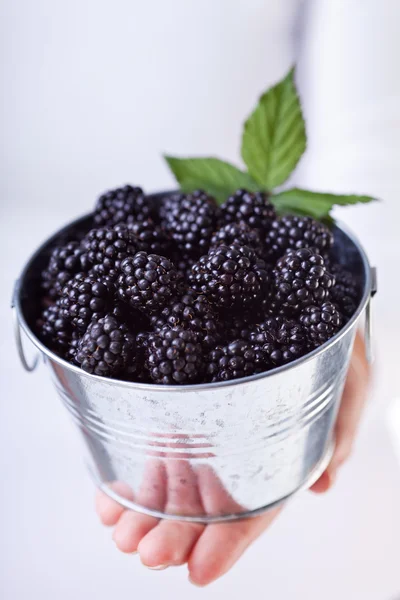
(211, 452)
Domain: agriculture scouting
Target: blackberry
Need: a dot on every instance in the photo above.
(174, 355)
(72, 348)
(151, 238)
(230, 276)
(105, 248)
(63, 264)
(54, 329)
(237, 325)
(167, 205)
(300, 279)
(238, 322)
(252, 208)
(293, 232)
(279, 339)
(122, 205)
(84, 298)
(240, 233)
(147, 281)
(321, 323)
(346, 291)
(137, 370)
(191, 219)
(237, 359)
(190, 311)
(106, 348)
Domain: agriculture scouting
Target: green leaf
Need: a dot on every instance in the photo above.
(274, 136)
(314, 204)
(215, 176)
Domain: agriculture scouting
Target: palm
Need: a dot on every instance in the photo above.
(211, 550)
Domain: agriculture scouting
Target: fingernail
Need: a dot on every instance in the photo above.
(157, 568)
(200, 585)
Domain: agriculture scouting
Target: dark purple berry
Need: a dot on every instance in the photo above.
(106, 348)
(300, 279)
(84, 298)
(122, 205)
(239, 233)
(147, 281)
(105, 248)
(64, 262)
(231, 276)
(174, 355)
(237, 359)
(252, 208)
(293, 232)
(279, 339)
(190, 219)
(191, 311)
(321, 323)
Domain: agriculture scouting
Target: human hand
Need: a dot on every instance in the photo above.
(211, 550)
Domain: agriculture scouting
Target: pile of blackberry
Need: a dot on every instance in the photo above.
(182, 291)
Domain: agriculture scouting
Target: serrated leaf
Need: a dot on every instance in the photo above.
(274, 136)
(215, 176)
(314, 204)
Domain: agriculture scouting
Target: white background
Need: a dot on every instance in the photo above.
(92, 93)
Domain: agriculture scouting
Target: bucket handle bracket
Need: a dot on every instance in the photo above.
(368, 317)
(17, 334)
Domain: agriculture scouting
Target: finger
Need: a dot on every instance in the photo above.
(132, 526)
(324, 483)
(171, 542)
(109, 510)
(221, 545)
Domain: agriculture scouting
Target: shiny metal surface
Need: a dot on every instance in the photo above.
(368, 335)
(205, 452)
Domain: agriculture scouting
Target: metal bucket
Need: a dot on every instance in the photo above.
(210, 452)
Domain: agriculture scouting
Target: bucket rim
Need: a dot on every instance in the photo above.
(198, 386)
